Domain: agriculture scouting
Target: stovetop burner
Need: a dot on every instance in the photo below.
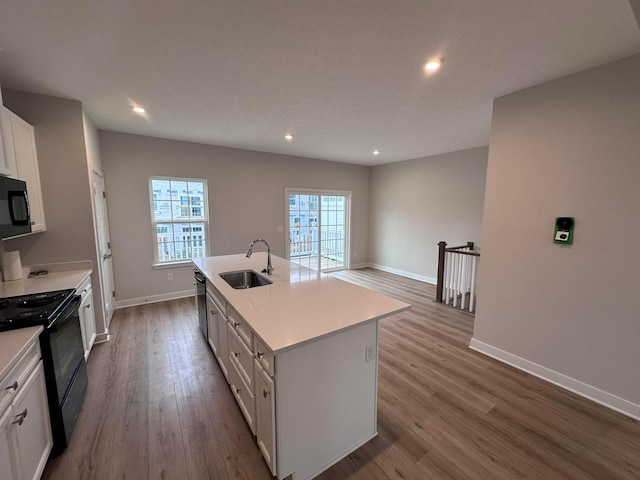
(29, 310)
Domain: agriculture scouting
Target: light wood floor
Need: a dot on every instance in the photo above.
(158, 407)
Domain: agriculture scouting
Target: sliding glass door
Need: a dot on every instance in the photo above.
(318, 226)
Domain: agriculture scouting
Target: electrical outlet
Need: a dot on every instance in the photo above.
(169, 276)
(369, 352)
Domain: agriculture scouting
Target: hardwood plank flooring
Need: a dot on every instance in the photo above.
(158, 407)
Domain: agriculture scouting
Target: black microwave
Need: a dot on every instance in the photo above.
(15, 217)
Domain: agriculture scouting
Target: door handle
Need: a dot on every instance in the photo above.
(106, 256)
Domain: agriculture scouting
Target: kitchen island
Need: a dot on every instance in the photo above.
(300, 356)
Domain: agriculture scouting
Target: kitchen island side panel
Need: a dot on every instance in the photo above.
(326, 400)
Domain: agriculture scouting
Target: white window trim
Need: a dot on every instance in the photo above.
(158, 265)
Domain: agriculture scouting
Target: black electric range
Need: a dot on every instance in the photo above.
(62, 353)
(31, 310)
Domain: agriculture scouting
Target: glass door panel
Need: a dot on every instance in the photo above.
(318, 230)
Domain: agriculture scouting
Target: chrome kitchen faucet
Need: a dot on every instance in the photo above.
(269, 268)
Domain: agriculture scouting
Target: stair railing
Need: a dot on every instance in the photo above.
(457, 275)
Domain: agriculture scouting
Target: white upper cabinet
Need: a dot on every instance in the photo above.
(7, 152)
(4, 167)
(21, 161)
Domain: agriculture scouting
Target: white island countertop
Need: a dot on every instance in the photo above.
(13, 344)
(43, 283)
(301, 305)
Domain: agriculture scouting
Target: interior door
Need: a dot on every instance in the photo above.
(105, 268)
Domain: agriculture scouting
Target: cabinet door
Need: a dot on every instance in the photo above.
(245, 398)
(34, 431)
(265, 412)
(9, 460)
(87, 321)
(23, 141)
(7, 150)
(223, 345)
(212, 319)
(241, 354)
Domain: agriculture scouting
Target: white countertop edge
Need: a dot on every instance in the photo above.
(286, 348)
(13, 344)
(62, 280)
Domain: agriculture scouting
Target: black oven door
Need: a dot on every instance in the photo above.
(67, 349)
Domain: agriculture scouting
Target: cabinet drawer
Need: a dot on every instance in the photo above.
(217, 297)
(84, 287)
(18, 375)
(242, 357)
(245, 398)
(263, 355)
(241, 328)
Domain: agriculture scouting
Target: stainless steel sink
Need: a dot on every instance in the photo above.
(245, 279)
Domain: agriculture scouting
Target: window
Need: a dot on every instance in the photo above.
(179, 218)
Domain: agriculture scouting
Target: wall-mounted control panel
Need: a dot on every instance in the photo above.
(563, 232)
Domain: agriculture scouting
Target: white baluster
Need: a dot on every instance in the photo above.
(473, 284)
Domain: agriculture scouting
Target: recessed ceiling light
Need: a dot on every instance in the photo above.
(433, 65)
(376, 152)
(139, 109)
(288, 136)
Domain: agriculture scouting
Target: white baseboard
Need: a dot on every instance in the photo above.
(103, 337)
(357, 266)
(153, 299)
(402, 273)
(580, 388)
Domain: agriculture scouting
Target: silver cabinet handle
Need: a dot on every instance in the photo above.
(106, 256)
(265, 394)
(20, 417)
(235, 324)
(238, 390)
(259, 354)
(236, 354)
(13, 386)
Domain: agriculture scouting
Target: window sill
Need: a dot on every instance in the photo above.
(179, 264)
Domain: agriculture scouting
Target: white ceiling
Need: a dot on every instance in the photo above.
(344, 76)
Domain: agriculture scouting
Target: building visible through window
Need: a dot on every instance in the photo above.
(179, 217)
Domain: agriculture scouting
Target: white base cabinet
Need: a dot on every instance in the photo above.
(25, 431)
(87, 317)
(308, 406)
(265, 416)
(21, 161)
(217, 327)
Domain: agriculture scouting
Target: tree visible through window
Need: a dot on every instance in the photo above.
(179, 217)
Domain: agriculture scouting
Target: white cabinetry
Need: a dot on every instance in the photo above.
(87, 317)
(21, 161)
(265, 414)
(25, 432)
(216, 309)
(5, 168)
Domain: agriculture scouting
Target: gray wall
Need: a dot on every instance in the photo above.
(246, 200)
(66, 191)
(569, 147)
(417, 203)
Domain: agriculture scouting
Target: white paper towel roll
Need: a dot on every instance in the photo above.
(11, 265)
